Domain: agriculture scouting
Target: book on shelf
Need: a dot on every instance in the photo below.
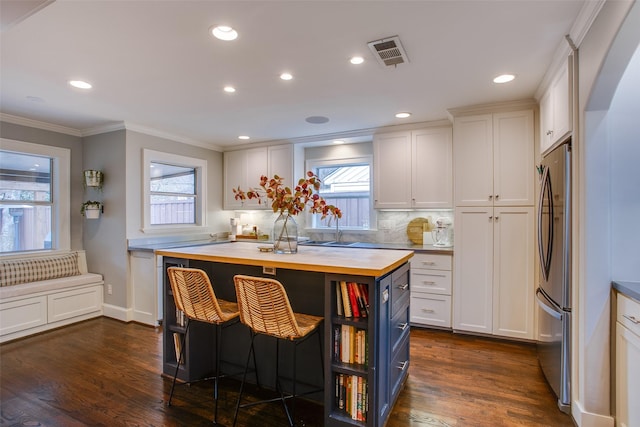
(346, 304)
(350, 345)
(352, 396)
(352, 299)
(177, 343)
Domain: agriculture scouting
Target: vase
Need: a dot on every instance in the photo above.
(285, 234)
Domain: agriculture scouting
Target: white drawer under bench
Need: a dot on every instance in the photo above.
(431, 285)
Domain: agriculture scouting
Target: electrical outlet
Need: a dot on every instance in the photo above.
(109, 289)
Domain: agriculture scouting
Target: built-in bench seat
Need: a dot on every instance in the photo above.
(43, 292)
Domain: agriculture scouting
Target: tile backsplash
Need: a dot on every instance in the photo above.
(392, 225)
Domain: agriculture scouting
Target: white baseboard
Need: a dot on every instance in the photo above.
(589, 419)
(117, 312)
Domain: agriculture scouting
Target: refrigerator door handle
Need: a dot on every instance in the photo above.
(542, 302)
(545, 253)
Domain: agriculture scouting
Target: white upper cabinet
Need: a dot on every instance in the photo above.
(556, 108)
(244, 168)
(413, 169)
(494, 159)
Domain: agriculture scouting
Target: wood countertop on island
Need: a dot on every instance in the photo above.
(355, 261)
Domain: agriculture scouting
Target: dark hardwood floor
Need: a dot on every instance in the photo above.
(106, 373)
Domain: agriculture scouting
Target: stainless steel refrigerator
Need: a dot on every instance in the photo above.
(553, 294)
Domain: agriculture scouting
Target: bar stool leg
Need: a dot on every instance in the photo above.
(175, 375)
(244, 377)
(217, 378)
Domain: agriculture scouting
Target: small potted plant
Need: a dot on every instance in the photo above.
(93, 178)
(91, 209)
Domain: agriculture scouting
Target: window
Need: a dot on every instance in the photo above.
(34, 197)
(174, 190)
(173, 194)
(347, 185)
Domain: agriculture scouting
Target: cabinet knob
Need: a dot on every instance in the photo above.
(490, 217)
(490, 196)
(497, 217)
(497, 196)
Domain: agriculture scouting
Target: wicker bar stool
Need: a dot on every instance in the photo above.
(194, 296)
(264, 307)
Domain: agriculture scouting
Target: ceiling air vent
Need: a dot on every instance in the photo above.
(388, 51)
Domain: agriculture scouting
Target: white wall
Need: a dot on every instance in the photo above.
(603, 57)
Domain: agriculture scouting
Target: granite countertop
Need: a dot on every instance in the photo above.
(627, 288)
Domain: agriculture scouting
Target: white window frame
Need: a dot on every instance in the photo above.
(60, 189)
(311, 164)
(152, 156)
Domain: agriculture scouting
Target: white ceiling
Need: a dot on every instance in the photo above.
(153, 64)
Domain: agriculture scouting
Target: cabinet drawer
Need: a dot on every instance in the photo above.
(434, 310)
(629, 313)
(399, 327)
(431, 261)
(431, 281)
(399, 289)
(399, 368)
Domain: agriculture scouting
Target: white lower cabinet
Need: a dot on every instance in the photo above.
(627, 366)
(431, 290)
(493, 289)
(146, 287)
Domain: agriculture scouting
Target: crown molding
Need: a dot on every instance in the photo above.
(172, 137)
(22, 121)
(495, 107)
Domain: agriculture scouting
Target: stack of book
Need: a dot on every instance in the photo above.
(350, 345)
(352, 396)
(352, 299)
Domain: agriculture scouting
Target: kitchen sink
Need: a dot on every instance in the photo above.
(328, 243)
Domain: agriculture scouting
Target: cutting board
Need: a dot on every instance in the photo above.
(415, 228)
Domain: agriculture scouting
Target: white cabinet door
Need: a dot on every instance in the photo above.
(144, 287)
(556, 108)
(513, 159)
(392, 170)
(473, 270)
(473, 160)
(280, 163)
(627, 377)
(243, 168)
(513, 272)
(432, 167)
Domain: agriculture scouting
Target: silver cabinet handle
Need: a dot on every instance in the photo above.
(631, 318)
(385, 296)
(428, 310)
(549, 132)
(429, 283)
(403, 365)
(429, 262)
(403, 326)
(403, 287)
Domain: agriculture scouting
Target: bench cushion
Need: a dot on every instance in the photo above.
(16, 271)
(50, 285)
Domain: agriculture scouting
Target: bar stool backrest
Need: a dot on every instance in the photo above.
(193, 295)
(264, 307)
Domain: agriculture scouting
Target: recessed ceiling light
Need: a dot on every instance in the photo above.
(286, 76)
(223, 32)
(243, 137)
(338, 141)
(229, 89)
(504, 78)
(317, 120)
(357, 60)
(403, 115)
(80, 84)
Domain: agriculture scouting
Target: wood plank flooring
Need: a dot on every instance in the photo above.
(106, 373)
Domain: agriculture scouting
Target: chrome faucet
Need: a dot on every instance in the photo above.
(338, 232)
